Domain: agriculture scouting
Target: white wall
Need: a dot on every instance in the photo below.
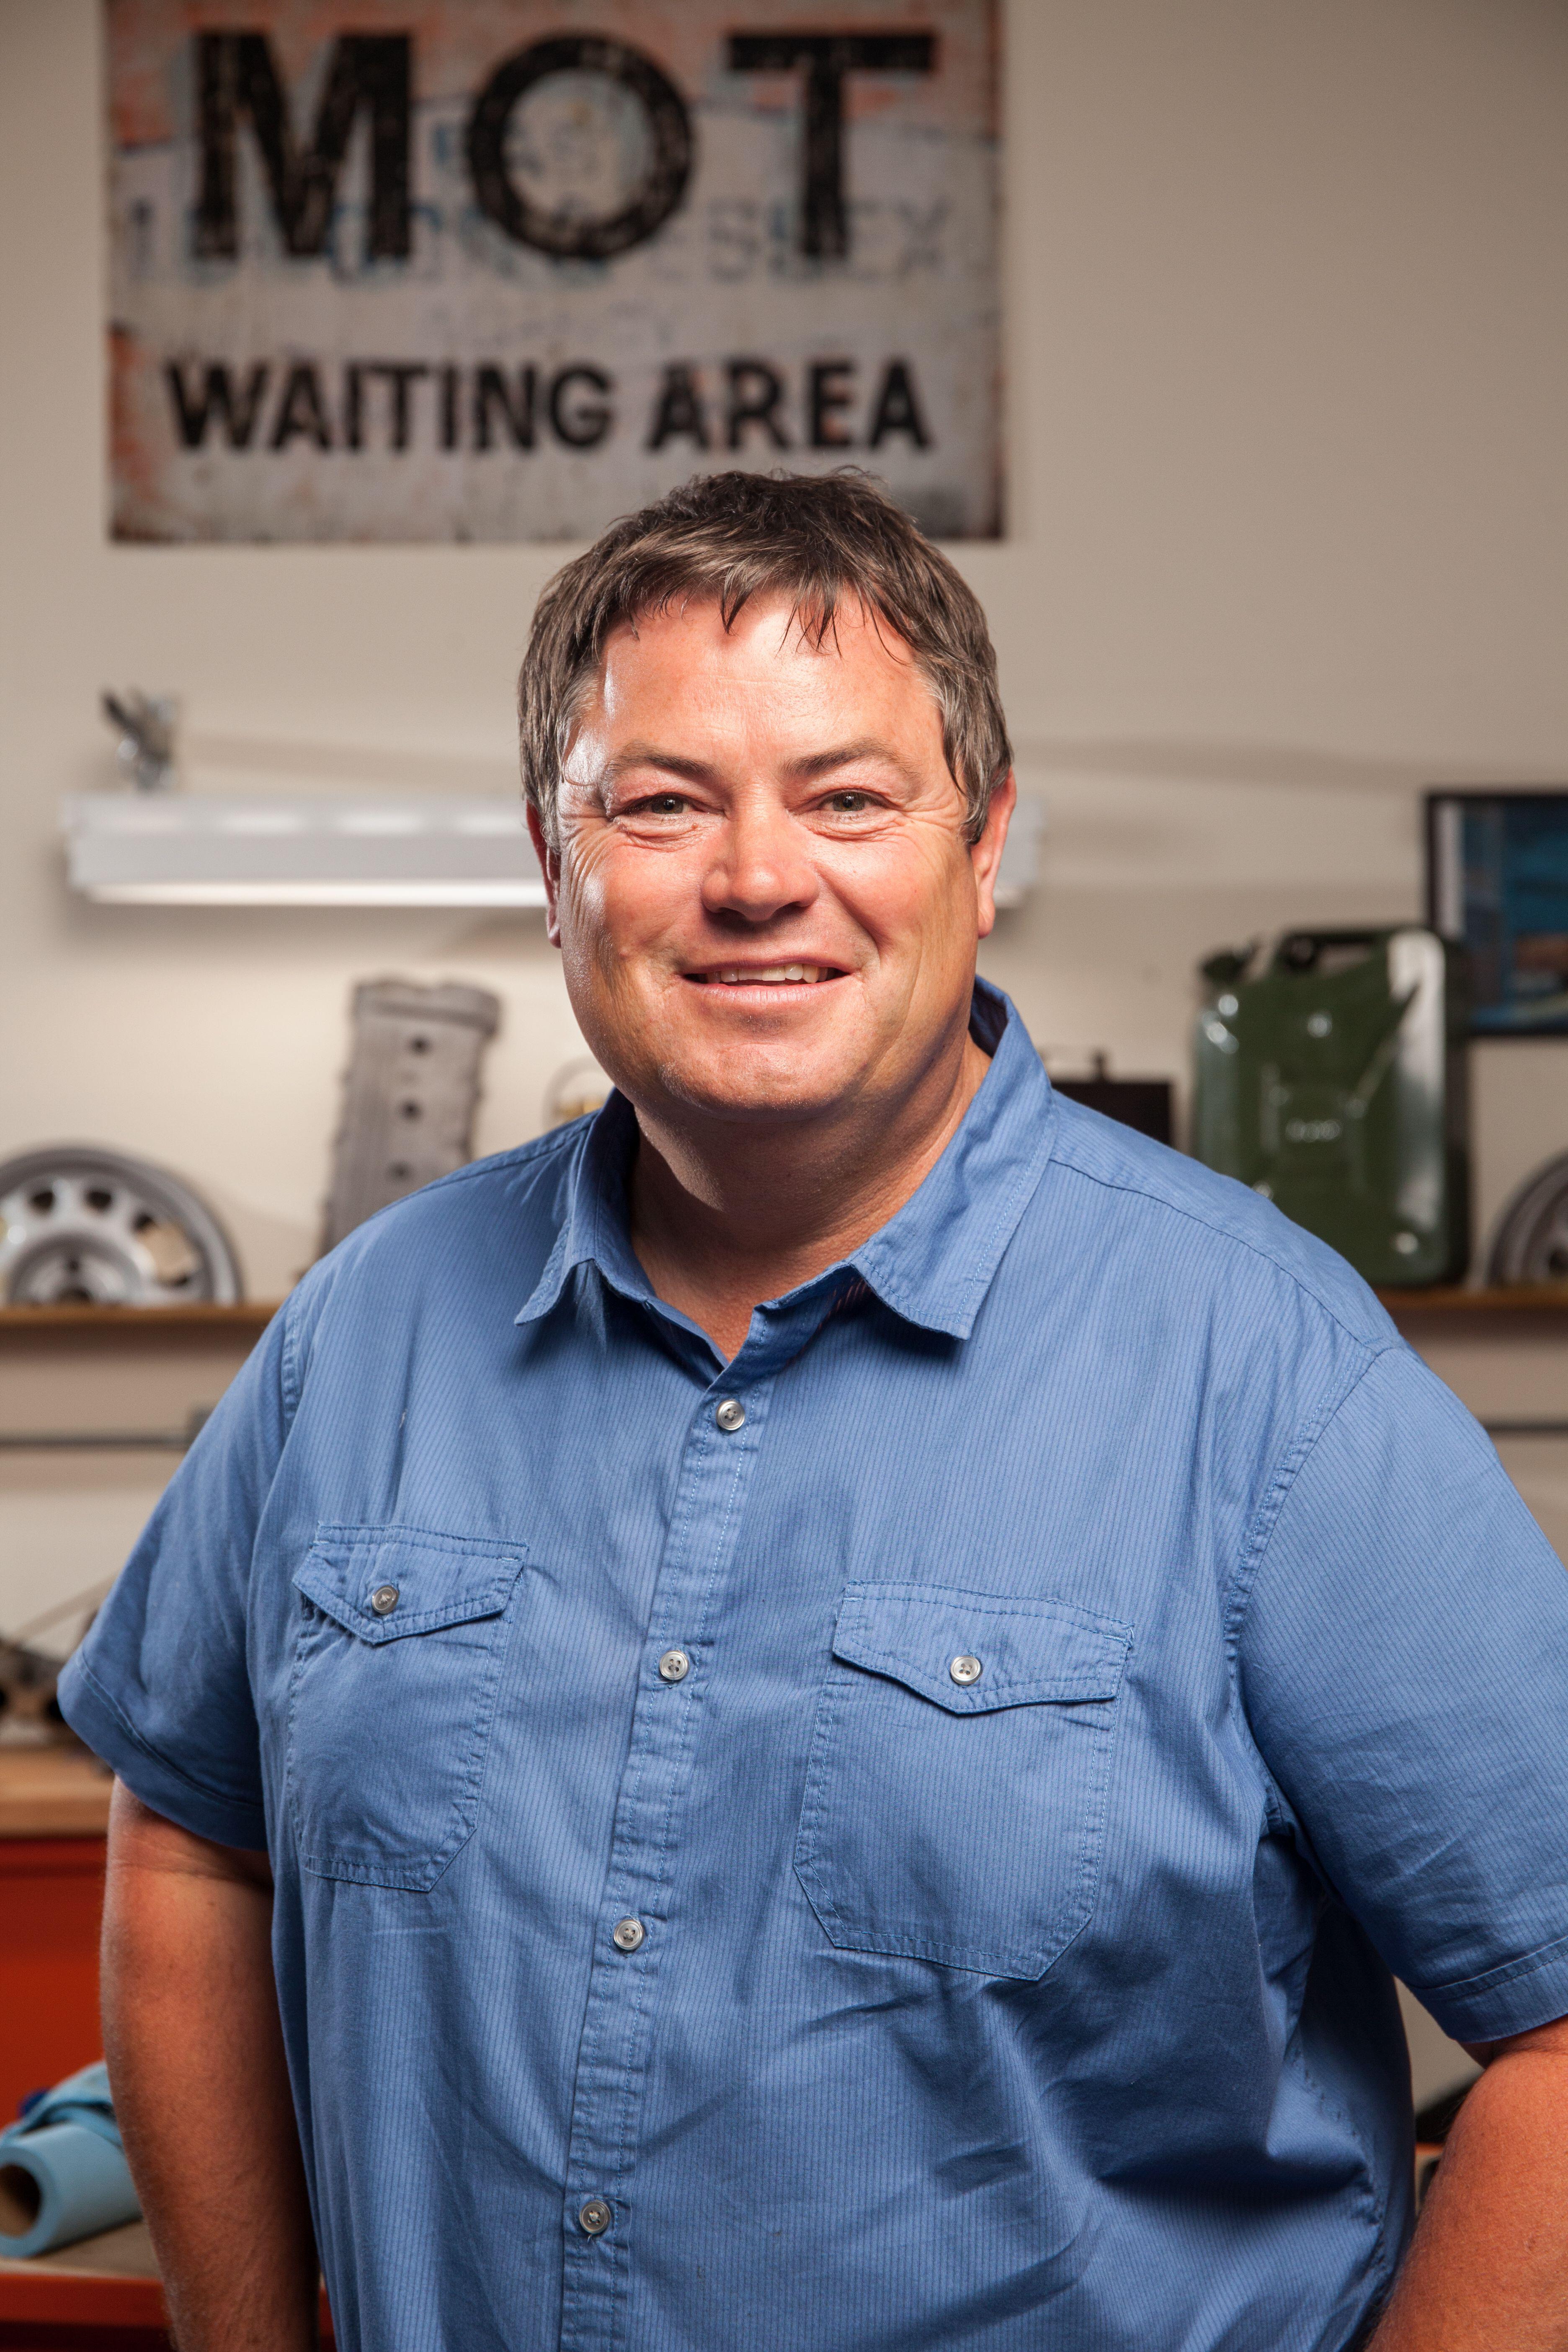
(1287, 371)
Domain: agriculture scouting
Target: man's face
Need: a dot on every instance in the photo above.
(764, 895)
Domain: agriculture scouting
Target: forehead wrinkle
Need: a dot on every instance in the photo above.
(890, 648)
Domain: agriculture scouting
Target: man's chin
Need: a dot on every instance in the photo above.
(767, 1089)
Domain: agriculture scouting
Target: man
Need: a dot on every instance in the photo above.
(829, 1695)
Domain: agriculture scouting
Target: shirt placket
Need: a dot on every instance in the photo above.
(718, 1459)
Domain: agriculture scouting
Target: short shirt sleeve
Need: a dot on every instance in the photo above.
(159, 1688)
(1403, 1663)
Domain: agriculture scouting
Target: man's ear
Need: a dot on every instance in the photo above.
(986, 853)
(549, 866)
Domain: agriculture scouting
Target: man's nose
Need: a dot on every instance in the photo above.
(759, 867)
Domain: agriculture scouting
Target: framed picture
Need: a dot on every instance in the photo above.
(476, 269)
(1497, 882)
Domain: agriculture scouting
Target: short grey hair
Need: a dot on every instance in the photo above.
(818, 538)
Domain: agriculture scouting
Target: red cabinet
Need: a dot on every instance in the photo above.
(51, 1898)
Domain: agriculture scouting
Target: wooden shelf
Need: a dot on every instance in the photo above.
(251, 1316)
(1517, 1298)
(248, 1319)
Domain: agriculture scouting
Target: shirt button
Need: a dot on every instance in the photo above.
(966, 1670)
(594, 2217)
(731, 1415)
(383, 1600)
(674, 1667)
(627, 1934)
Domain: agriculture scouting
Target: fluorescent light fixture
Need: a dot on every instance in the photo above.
(189, 849)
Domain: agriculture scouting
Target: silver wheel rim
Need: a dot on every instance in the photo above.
(83, 1226)
(1531, 1242)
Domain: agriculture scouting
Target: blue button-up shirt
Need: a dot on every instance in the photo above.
(1108, 1652)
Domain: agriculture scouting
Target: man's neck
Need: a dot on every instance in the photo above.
(724, 1215)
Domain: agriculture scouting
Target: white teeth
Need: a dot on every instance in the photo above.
(773, 975)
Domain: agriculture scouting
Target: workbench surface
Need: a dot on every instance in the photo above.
(102, 2290)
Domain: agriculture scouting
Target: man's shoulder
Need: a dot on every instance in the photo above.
(530, 1173)
(1195, 1230)
(525, 1184)
(491, 1224)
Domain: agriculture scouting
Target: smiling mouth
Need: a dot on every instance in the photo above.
(764, 975)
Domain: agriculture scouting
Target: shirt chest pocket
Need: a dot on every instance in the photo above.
(397, 1667)
(956, 1796)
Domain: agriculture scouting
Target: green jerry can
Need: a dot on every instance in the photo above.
(1334, 1083)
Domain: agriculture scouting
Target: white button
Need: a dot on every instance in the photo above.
(966, 1670)
(594, 2217)
(674, 1667)
(731, 1415)
(383, 1600)
(627, 1934)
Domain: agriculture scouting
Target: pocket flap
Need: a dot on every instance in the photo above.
(1028, 1650)
(438, 1580)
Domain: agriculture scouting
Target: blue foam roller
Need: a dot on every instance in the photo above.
(68, 2153)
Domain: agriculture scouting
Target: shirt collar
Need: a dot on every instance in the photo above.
(596, 1231)
(932, 1263)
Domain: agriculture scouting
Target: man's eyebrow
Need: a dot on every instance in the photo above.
(809, 768)
(844, 755)
(649, 755)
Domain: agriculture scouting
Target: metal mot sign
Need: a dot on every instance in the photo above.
(496, 269)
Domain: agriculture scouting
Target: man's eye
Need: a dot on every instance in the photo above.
(660, 805)
(849, 804)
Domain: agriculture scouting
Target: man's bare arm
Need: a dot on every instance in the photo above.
(201, 2091)
(1487, 2271)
